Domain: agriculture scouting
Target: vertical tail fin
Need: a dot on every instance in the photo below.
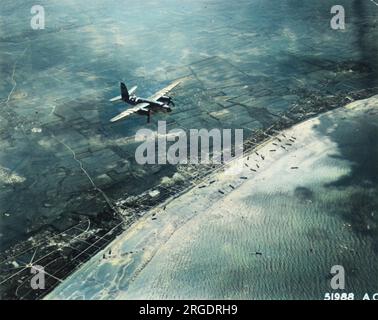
(124, 92)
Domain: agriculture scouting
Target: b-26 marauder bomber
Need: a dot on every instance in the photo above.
(159, 102)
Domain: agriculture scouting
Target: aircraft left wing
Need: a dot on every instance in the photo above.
(164, 91)
(129, 112)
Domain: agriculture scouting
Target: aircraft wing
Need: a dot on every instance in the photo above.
(164, 91)
(129, 112)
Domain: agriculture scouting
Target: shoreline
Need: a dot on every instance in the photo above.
(217, 186)
(135, 207)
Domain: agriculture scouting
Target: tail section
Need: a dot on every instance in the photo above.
(124, 92)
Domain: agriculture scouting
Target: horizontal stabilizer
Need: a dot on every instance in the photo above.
(132, 90)
(115, 99)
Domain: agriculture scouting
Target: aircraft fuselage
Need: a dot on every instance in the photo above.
(153, 105)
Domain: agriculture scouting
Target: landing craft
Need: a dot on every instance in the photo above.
(159, 102)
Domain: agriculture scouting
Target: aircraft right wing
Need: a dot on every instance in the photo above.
(166, 90)
(129, 112)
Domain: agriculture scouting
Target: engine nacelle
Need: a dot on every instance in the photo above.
(165, 99)
(167, 108)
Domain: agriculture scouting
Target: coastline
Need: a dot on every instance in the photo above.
(164, 234)
(65, 251)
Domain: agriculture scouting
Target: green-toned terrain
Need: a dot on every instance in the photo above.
(63, 166)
